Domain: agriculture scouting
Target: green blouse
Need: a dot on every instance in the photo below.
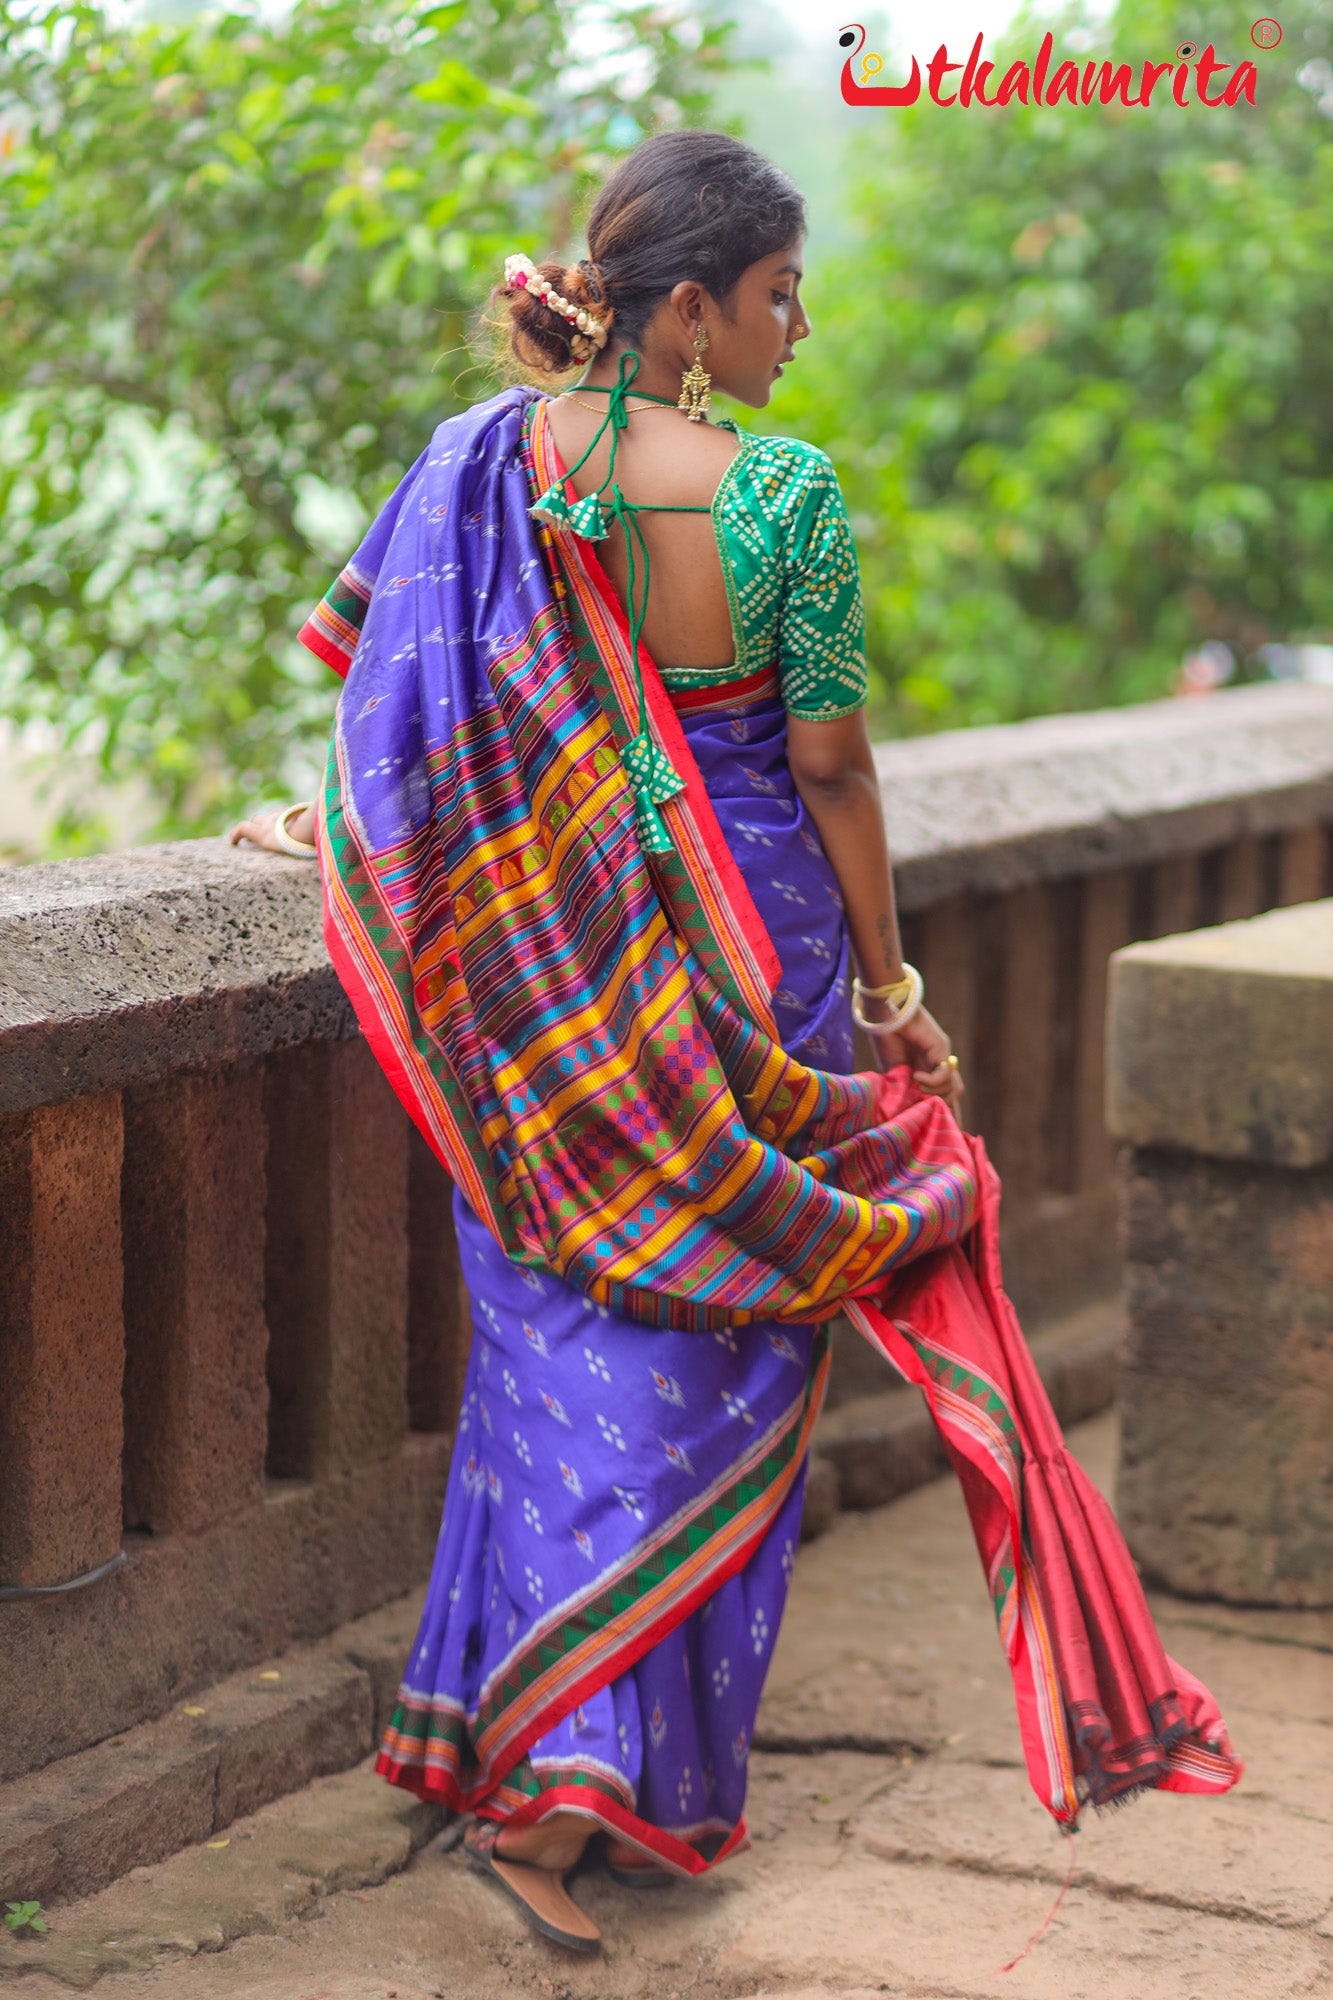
(789, 564)
(793, 588)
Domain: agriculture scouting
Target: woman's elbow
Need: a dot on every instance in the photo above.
(826, 784)
(830, 760)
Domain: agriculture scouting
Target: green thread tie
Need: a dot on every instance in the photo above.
(653, 779)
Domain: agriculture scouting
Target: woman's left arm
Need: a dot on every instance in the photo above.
(834, 771)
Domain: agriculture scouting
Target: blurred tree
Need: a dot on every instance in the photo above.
(1077, 374)
(237, 259)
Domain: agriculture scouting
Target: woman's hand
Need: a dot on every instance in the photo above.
(260, 829)
(923, 1043)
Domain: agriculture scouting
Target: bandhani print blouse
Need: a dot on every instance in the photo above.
(793, 583)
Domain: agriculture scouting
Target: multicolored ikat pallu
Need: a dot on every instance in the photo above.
(589, 1038)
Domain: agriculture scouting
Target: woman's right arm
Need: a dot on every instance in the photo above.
(833, 768)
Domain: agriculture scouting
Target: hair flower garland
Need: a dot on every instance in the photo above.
(521, 274)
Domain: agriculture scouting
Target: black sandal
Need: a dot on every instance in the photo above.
(539, 1892)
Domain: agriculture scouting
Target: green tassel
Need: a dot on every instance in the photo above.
(653, 836)
(587, 518)
(652, 775)
(552, 507)
(652, 780)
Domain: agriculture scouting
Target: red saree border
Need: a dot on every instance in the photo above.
(677, 1855)
(374, 1000)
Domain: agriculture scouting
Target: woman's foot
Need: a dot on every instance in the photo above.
(536, 1886)
(554, 1842)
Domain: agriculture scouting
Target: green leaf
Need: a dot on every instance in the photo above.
(240, 254)
(453, 84)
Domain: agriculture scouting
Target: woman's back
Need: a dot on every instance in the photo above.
(661, 461)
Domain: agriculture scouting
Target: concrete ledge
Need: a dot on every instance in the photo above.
(1220, 1042)
(982, 811)
(125, 968)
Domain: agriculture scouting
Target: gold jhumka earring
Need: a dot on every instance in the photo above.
(696, 382)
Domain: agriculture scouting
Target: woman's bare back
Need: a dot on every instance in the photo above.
(664, 461)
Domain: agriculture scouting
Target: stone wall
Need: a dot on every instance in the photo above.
(1221, 1080)
(230, 1332)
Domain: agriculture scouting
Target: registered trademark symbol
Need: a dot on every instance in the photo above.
(1266, 32)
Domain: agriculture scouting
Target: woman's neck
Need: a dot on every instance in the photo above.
(655, 375)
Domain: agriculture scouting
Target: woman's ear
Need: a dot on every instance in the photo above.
(688, 302)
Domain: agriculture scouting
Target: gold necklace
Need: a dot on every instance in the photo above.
(631, 410)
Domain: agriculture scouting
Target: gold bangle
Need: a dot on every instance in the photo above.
(888, 992)
(300, 850)
(902, 1013)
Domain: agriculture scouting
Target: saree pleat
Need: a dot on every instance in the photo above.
(589, 1038)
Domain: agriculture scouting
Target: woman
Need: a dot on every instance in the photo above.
(596, 859)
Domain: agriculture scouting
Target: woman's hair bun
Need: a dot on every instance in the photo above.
(684, 204)
(545, 340)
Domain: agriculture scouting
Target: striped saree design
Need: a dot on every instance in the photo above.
(586, 1036)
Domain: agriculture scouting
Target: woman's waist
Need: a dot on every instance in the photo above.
(719, 690)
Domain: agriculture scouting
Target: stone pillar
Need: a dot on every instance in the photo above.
(1220, 1061)
(196, 1401)
(336, 1260)
(62, 1340)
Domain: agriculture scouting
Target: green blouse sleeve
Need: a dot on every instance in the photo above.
(821, 638)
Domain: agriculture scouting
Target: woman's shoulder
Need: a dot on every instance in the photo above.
(784, 480)
(773, 455)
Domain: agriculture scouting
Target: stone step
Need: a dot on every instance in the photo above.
(83, 1821)
(881, 1446)
(347, 1832)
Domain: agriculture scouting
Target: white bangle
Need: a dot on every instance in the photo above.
(301, 850)
(901, 1014)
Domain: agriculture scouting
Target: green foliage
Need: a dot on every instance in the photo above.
(24, 1917)
(238, 261)
(1077, 376)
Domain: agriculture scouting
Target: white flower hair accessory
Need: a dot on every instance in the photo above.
(521, 274)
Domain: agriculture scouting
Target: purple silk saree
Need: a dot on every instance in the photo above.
(635, 1066)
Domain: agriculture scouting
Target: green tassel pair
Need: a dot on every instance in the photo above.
(587, 517)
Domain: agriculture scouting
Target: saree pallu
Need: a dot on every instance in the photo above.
(589, 1037)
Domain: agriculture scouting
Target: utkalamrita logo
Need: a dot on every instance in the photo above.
(1089, 82)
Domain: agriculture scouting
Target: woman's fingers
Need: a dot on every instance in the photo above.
(944, 1080)
(259, 830)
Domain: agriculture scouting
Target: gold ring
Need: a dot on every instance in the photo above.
(951, 1062)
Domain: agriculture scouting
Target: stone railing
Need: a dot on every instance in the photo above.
(1220, 1079)
(230, 1332)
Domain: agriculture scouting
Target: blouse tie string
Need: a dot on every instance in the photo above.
(652, 777)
